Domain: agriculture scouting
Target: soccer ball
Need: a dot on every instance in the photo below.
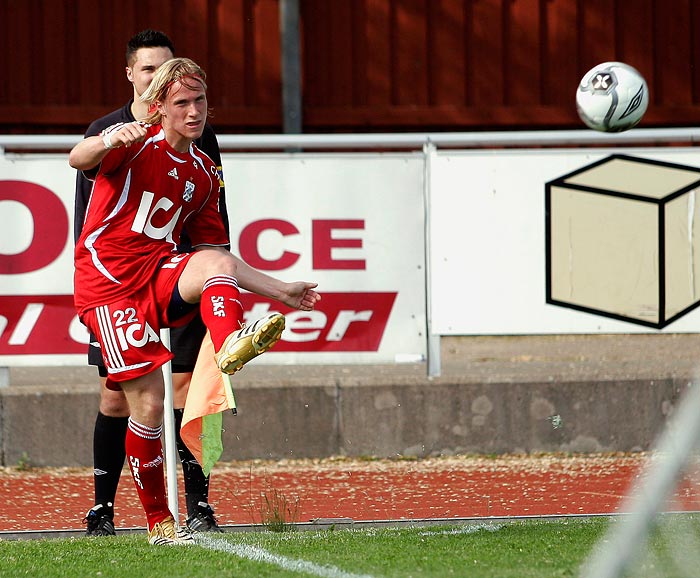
(612, 97)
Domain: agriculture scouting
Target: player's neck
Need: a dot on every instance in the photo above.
(177, 141)
(139, 109)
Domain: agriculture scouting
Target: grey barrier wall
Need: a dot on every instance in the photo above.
(510, 394)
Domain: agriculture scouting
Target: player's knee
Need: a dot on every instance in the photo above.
(113, 403)
(148, 411)
(219, 263)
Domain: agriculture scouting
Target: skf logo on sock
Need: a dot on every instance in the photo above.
(217, 304)
(135, 463)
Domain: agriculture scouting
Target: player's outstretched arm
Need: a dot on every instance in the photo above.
(298, 294)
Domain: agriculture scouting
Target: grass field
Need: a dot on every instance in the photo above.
(513, 549)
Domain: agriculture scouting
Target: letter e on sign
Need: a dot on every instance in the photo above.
(324, 242)
(50, 227)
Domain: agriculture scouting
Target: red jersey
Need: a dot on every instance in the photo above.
(141, 198)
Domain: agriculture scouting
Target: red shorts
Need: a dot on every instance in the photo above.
(129, 329)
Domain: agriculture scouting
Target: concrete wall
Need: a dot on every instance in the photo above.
(405, 415)
(499, 394)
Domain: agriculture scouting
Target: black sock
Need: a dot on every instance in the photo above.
(108, 456)
(196, 483)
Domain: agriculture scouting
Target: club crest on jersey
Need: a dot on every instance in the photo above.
(189, 191)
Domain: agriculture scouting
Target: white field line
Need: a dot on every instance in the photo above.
(473, 529)
(259, 555)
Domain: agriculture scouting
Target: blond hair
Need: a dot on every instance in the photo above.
(184, 70)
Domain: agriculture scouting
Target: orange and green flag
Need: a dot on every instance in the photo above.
(210, 394)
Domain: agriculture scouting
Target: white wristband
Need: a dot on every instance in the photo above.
(107, 140)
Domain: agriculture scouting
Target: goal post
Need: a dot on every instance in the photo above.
(626, 538)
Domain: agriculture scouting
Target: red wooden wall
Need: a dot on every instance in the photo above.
(368, 65)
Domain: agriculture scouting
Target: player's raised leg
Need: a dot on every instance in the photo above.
(210, 277)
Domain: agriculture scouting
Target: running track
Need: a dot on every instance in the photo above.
(372, 490)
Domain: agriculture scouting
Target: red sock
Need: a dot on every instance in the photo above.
(144, 452)
(221, 310)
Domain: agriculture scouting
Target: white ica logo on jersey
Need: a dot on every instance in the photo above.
(126, 326)
(127, 337)
(143, 222)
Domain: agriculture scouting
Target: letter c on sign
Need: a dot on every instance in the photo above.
(248, 244)
(50, 227)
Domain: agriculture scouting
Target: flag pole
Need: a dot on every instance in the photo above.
(169, 429)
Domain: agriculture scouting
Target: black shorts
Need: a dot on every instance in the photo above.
(184, 343)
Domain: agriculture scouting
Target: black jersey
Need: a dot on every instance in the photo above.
(83, 186)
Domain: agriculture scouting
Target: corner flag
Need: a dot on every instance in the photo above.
(209, 395)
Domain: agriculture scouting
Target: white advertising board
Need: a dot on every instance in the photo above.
(487, 246)
(352, 223)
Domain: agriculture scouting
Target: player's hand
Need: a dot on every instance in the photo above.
(125, 135)
(301, 295)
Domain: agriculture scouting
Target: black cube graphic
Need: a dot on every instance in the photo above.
(623, 240)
